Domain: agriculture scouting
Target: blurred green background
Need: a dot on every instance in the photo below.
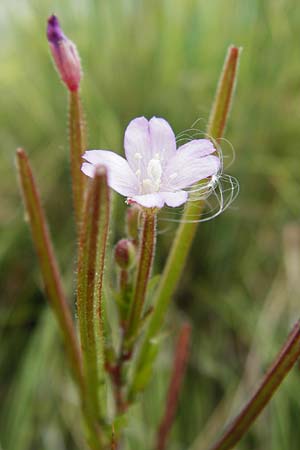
(241, 287)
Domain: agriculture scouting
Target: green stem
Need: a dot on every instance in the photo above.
(186, 232)
(285, 360)
(77, 148)
(53, 284)
(224, 95)
(146, 254)
(134, 318)
(48, 264)
(91, 257)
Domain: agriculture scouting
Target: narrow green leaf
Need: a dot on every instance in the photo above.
(48, 264)
(282, 365)
(186, 231)
(224, 95)
(91, 258)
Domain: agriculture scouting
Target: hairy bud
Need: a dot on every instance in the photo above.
(65, 55)
(125, 254)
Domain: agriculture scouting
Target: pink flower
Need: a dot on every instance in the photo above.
(154, 173)
(65, 55)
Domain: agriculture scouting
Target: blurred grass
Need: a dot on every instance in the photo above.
(240, 289)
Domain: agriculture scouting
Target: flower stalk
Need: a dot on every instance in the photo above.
(77, 139)
(186, 232)
(67, 63)
(48, 264)
(134, 320)
(282, 365)
(91, 259)
(146, 254)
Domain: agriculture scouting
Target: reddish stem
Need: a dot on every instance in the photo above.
(48, 264)
(179, 366)
(146, 255)
(225, 91)
(77, 147)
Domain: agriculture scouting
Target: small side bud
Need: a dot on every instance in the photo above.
(65, 55)
(132, 222)
(125, 254)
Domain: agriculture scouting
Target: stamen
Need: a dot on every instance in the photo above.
(154, 170)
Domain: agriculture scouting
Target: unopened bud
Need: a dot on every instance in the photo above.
(65, 55)
(132, 222)
(125, 254)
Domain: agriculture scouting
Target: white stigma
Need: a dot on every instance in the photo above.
(151, 184)
(154, 170)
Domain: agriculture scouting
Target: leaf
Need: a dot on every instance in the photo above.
(91, 259)
(48, 264)
(186, 232)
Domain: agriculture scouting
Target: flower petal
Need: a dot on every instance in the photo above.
(155, 200)
(184, 170)
(158, 199)
(137, 144)
(88, 169)
(175, 199)
(162, 138)
(198, 147)
(120, 176)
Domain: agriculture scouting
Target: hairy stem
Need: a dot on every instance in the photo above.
(77, 148)
(134, 317)
(91, 257)
(186, 231)
(146, 255)
(224, 95)
(48, 265)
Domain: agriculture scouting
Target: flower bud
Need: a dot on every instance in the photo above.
(65, 55)
(125, 254)
(132, 221)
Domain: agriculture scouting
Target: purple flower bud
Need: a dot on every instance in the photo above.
(65, 55)
(125, 254)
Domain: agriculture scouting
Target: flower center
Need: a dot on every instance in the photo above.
(149, 177)
(151, 183)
